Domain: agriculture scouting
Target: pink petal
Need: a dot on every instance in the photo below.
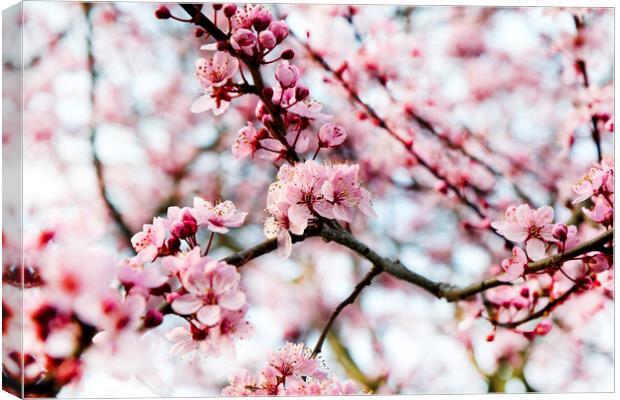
(203, 103)
(209, 315)
(232, 300)
(343, 213)
(535, 249)
(177, 334)
(298, 216)
(514, 232)
(225, 279)
(285, 244)
(186, 304)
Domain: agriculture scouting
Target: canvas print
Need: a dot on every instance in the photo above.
(297, 199)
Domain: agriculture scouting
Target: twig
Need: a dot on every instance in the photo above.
(366, 281)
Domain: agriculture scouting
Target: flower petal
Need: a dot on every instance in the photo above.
(209, 315)
(535, 249)
(232, 300)
(186, 304)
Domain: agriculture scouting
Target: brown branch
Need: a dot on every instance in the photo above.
(103, 191)
(366, 281)
(581, 65)
(279, 131)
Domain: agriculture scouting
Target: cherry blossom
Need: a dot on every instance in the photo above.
(523, 224)
(513, 267)
(148, 242)
(219, 217)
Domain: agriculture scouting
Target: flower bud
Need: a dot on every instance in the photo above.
(260, 110)
(229, 10)
(243, 38)
(525, 292)
(173, 244)
(560, 231)
(301, 92)
(279, 30)
(217, 6)
(287, 54)
(268, 92)
(262, 19)
(267, 40)
(153, 318)
(287, 74)
(162, 12)
(543, 327)
(598, 263)
(199, 32)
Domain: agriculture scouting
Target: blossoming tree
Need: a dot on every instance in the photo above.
(332, 200)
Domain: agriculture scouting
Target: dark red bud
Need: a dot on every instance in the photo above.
(162, 12)
(199, 32)
(301, 92)
(153, 318)
(287, 54)
(229, 10)
(268, 92)
(217, 6)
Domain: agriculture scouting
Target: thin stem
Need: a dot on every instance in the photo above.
(209, 244)
(374, 271)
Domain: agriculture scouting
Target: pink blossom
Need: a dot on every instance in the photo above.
(212, 288)
(66, 276)
(343, 190)
(599, 178)
(181, 222)
(513, 267)
(294, 359)
(216, 71)
(148, 242)
(304, 195)
(137, 278)
(534, 227)
(278, 225)
(187, 340)
(287, 74)
(598, 263)
(233, 326)
(331, 135)
(217, 218)
(601, 213)
(310, 109)
(211, 101)
(247, 142)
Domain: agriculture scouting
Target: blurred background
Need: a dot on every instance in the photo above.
(109, 142)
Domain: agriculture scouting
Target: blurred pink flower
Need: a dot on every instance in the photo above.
(217, 218)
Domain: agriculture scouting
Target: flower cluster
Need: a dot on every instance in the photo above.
(598, 185)
(210, 300)
(292, 371)
(203, 291)
(311, 190)
(163, 237)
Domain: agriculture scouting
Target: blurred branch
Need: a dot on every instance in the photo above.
(103, 191)
(581, 66)
(343, 356)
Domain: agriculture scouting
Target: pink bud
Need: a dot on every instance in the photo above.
(243, 38)
(331, 135)
(287, 74)
(559, 232)
(261, 18)
(279, 30)
(260, 110)
(267, 40)
(543, 327)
